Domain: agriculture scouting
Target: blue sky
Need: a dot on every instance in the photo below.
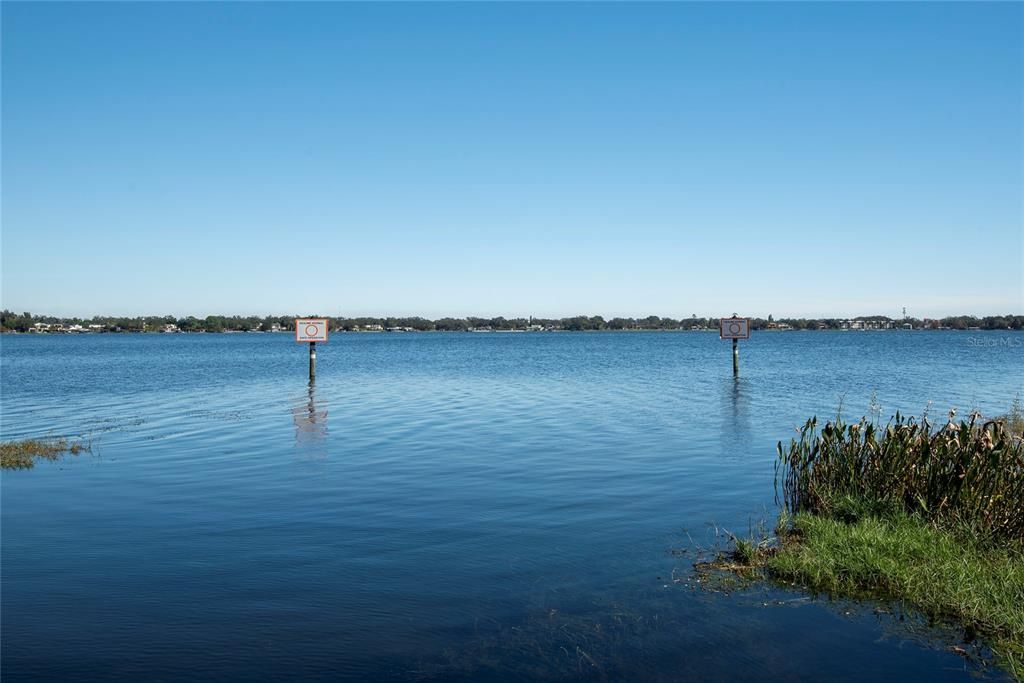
(513, 159)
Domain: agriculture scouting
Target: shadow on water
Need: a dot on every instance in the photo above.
(310, 417)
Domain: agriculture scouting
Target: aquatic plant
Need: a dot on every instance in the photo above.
(1015, 418)
(22, 455)
(967, 475)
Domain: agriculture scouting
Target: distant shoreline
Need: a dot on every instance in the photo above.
(43, 324)
(510, 331)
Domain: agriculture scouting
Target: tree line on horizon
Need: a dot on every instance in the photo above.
(23, 322)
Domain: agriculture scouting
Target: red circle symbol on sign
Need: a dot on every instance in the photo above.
(312, 330)
(734, 328)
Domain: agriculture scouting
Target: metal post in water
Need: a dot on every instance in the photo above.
(735, 357)
(312, 361)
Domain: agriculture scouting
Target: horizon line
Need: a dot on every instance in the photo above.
(506, 317)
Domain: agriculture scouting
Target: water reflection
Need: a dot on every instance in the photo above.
(310, 417)
(736, 429)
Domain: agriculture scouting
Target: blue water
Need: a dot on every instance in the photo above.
(441, 506)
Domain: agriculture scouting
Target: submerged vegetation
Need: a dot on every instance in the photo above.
(933, 518)
(22, 455)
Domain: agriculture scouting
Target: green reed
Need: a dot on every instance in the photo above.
(966, 475)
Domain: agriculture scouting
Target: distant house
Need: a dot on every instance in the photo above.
(58, 328)
(170, 328)
(373, 328)
(275, 327)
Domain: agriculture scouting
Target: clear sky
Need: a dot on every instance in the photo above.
(513, 159)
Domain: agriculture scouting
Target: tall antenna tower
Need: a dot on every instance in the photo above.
(904, 312)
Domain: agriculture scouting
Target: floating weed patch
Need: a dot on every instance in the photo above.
(22, 455)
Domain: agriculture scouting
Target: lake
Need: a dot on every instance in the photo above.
(474, 507)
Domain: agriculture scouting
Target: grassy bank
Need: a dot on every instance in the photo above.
(933, 518)
(22, 455)
(902, 557)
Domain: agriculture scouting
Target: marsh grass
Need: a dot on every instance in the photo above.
(22, 455)
(1015, 418)
(967, 476)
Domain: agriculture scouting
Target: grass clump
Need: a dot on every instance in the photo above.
(22, 455)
